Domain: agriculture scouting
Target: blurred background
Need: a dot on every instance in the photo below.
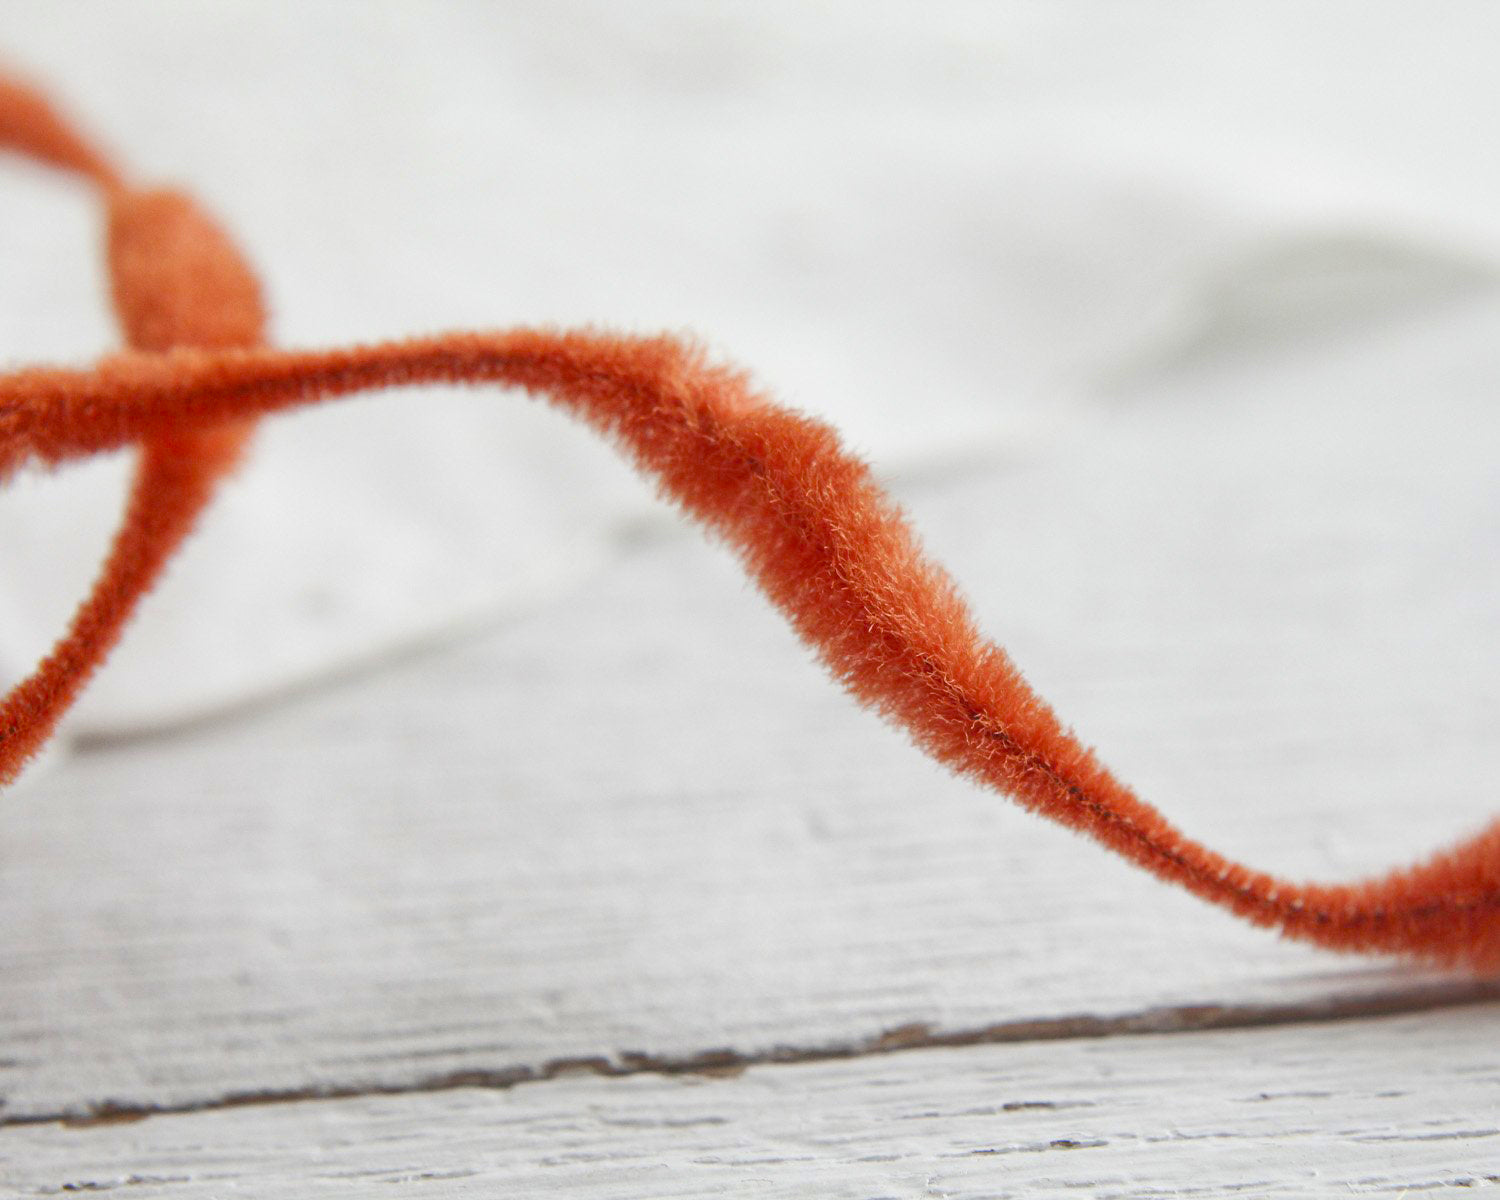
(1203, 294)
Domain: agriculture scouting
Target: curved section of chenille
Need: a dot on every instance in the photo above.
(825, 545)
(176, 280)
(29, 125)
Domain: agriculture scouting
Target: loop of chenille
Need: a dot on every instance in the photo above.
(812, 529)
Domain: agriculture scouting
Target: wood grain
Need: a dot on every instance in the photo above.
(1395, 1108)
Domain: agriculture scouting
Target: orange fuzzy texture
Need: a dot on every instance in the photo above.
(826, 546)
(176, 280)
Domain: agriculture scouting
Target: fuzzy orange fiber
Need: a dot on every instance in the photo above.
(827, 547)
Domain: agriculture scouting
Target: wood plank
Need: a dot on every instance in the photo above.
(1394, 1108)
(640, 823)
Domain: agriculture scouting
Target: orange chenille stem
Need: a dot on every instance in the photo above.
(176, 280)
(827, 547)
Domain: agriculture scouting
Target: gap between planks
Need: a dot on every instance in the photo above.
(917, 1036)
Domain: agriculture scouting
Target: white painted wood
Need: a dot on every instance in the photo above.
(640, 823)
(1392, 1108)
(1256, 564)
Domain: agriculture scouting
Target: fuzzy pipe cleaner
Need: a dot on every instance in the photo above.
(826, 546)
(175, 280)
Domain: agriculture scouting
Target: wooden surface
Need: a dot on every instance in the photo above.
(1296, 1111)
(622, 898)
